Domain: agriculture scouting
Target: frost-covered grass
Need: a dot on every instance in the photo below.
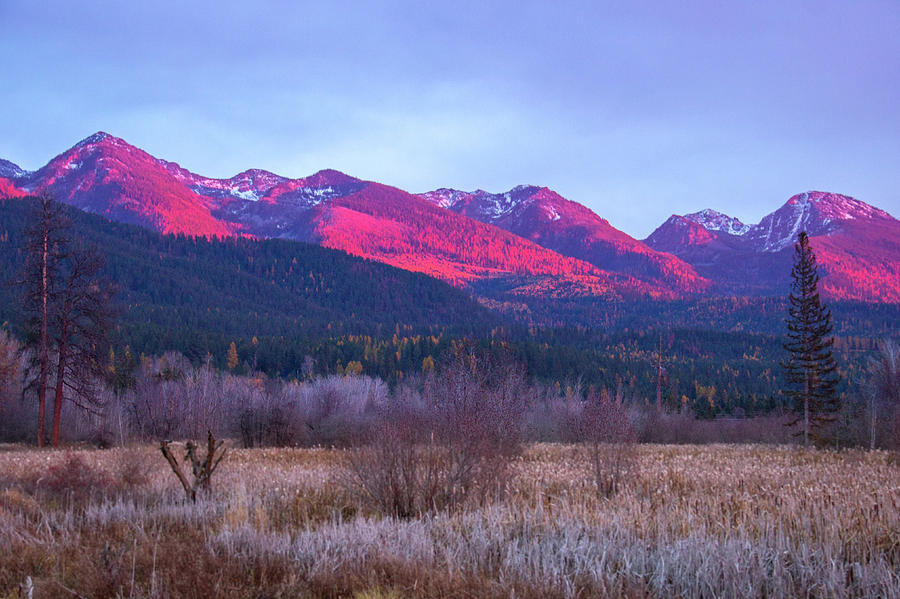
(691, 521)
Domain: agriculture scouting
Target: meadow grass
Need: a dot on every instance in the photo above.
(690, 521)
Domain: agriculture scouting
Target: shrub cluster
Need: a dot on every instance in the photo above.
(449, 445)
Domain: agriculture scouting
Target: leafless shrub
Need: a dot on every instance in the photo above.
(133, 469)
(157, 406)
(884, 397)
(653, 426)
(266, 425)
(173, 399)
(447, 448)
(264, 414)
(336, 409)
(401, 470)
(551, 416)
(609, 437)
(73, 481)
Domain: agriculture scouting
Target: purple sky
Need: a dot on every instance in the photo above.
(636, 109)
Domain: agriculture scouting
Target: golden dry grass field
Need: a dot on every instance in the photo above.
(690, 521)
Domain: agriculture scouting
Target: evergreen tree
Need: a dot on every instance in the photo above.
(810, 369)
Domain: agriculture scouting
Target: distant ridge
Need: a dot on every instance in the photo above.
(857, 246)
(530, 241)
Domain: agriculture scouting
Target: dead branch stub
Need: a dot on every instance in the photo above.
(202, 469)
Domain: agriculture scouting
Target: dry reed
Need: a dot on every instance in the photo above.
(689, 521)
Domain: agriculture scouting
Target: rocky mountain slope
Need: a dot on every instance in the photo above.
(857, 247)
(529, 241)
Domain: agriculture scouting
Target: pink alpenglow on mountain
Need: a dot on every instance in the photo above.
(529, 241)
(550, 220)
(857, 247)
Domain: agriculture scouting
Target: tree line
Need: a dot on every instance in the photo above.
(75, 347)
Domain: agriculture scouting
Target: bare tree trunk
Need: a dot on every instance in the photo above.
(58, 399)
(42, 384)
(659, 360)
(202, 469)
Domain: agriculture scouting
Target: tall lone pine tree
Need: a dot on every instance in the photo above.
(810, 369)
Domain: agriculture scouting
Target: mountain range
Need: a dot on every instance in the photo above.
(527, 242)
(857, 246)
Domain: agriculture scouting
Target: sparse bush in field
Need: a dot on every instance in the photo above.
(478, 404)
(451, 446)
(401, 470)
(264, 414)
(266, 425)
(73, 480)
(551, 417)
(653, 426)
(336, 409)
(157, 406)
(605, 426)
(173, 399)
(133, 469)
(884, 397)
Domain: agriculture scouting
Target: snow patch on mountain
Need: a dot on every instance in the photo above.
(250, 185)
(96, 138)
(311, 196)
(815, 212)
(779, 230)
(499, 206)
(482, 205)
(9, 170)
(446, 198)
(712, 220)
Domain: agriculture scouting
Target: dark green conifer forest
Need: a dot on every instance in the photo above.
(313, 310)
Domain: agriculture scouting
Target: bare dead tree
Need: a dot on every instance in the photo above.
(82, 317)
(45, 239)
(67, 306)
(201, 468)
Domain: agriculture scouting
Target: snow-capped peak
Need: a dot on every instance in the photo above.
(96, 138)
(446, 197)
(9, 170)
(712, 220)
(528, 190)
(248, 185)
(815, 212)
(483, 205)
(834, 206)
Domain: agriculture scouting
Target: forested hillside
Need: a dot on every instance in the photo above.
(294, 310)
(194, 293)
